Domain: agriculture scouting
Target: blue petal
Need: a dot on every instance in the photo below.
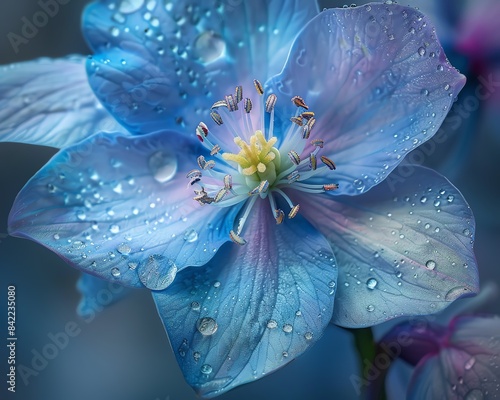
(120, 208)
(49, 102)
(169, 62)
(97, 294)
(259, 306)
(379, 83)
(466, 367)
(402, 250)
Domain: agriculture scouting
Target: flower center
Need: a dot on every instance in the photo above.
(255, 163)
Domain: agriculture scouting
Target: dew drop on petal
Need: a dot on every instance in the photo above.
(207, 326)
(470, 363)
(287, 328)
(206, 369)
(195, 306)
(431, 264)
(371, 283)
(130, 6)
(308, 335)
(114, 229)
(272, 324)
(191, 236)
(124, 249)
(157, 273)
(163, 165)
(115, 272)
(423, 199)
(196, 356)
(209, 46)
(474, 394)
(370, 308)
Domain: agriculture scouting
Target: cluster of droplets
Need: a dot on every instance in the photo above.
(262, 167)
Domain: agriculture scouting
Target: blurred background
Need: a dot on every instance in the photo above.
(123, 353)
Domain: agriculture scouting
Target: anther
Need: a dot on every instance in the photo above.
(220, 195)
(220, 103)
(236, 238)
(293, 212)
(258, 87)
(297, 120)
(313, 163)
(215, 150)
(216, 117)
(308, 127)
(329, 163)
(201, 162)
(330, 186)
(318, 143)
(307, 115)
(238, 94)
(294, 157)
(299, 102)
(279, 215)
(293, 177)
(271, 102)
(232, 105)
(248, 105)
(209, 164)
(228, 182)
(194, 173)
(201, 131)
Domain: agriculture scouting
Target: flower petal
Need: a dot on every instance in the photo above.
(253, 308)
(402, 250)
(119, 208)
(97, 294)
(49, 102)
(379, 83)
(181, 57)
(467, 368)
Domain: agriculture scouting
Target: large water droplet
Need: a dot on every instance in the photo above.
(370, 308)
(130, 6)
(206, 369)
(287, 328)
(157, 273)
(371, 283)
(124, 249)
(163, 165)
(455, 293)
(195, 306)
(115, 272)
(207, 326)
(209, 46)
(431, 264)
(191, 236)
(474, 394)
(470, 363)
(272, 324)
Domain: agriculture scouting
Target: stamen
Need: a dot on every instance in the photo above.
(279, 215)
(258, 87)
(308, 127)
(318, 143)
(307, 115)
(194, 173)
(299, 102)
(236, 238)
(294, 157)
(330, 186)
(232, 105)
(248, 105)
(220, 195)
(293, 177)
(313, 163)
(271, 102)
(220, 103)
(329, 163)
(209, 164)
(215, 150)
(228, 182)
(201, 162)
(217, 118)
(202, 131)
(238, 94)
(297, 120)
(293, 212)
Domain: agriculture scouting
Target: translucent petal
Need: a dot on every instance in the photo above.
(97, 294)
(379, 83)
(49, 102)
(467, 368)
(253, 308)
(402, 250)
(122, 209)
(161, 63)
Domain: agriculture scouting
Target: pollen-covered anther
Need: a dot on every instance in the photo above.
(318, 143)
(271, 102)
(293, 212)
(258, 87)
(238, 93)
(330, 186)
(248, 105)
(329, 163)
(307, 115)
(201, 162)
(216, 117)
(293, 177)
(279, 215)
(228, 182)
(219, 103)
(202, 131)
(194, 173)
(232, 105)
(215, 150)
(202, 197)
(308, 128)
(297, 121)
(237, 238)
(220, 195)
(294, 157)
(299, 102)
(313, 162)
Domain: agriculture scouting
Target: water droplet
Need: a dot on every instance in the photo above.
(272, 324)
(195, 306)
(298, 313)
(56, 236)
(216, 284)
(196, 356)
(466, 232)
(427, 226)
(78, 244)
(207, 326)
(470, 363)
(455, 293)
(209, 46)
(191, 236)
(163, 165)
(114, 229)
(308, 335)
(423, 199)
(437, 203)
(114, 31)
(370, 308)
(157, 273)
(287, 328)
(421, 51)
(206, 369)
(431, 264)
(371, 283)
(124, 249)
(132, 265)
(80, 214)
(130, 6)
(115, 272)
(474, 394)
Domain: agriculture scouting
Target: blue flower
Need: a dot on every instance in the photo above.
(238, 234)
(454, 362)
